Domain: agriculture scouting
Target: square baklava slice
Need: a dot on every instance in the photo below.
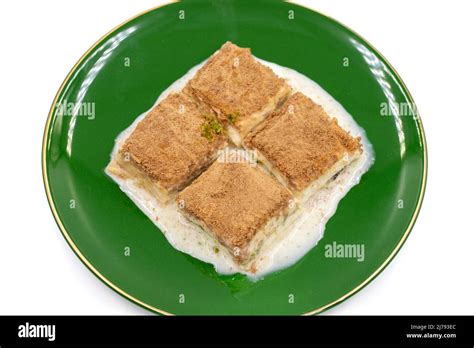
(238, 204)
(240, 89)
(177, 140)
(302, 146)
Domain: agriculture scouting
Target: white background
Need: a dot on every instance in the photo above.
(430, 45)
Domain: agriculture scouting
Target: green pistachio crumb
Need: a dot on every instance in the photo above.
(233, 117)
(211, 127)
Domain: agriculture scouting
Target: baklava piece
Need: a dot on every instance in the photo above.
(239, 205)
(241, 90)
(302, 146)
(171, 146)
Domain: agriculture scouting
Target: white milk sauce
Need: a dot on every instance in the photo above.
(309, 226)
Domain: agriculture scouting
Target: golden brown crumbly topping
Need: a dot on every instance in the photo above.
(168, 144)
(234, 200)
(302, 141)
(233, 82)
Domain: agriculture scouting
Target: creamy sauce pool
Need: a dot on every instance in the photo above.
(306, 230)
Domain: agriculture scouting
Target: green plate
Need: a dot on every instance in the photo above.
(122, 75)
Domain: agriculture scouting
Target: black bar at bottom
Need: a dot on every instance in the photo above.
(328, 330)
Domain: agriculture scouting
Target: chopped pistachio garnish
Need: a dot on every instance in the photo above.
(233, 117)
(211, 127)
(216, 250)
(206, 131)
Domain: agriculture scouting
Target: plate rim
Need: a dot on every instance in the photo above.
(154, 309)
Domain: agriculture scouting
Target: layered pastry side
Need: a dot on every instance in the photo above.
(177, 140)
(302, 146)
(239, 204)
(240, 89)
